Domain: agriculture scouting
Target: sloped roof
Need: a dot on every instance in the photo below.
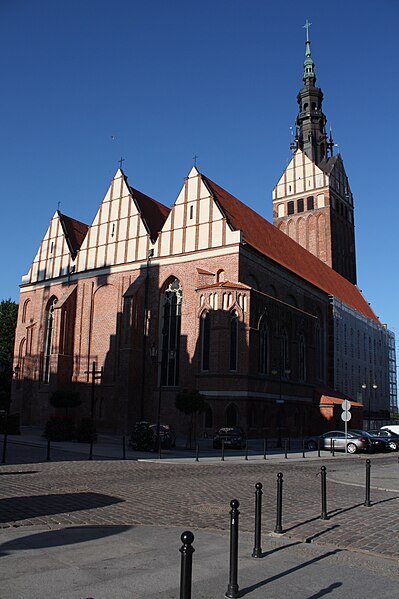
(276, 245)
(75, 232)
(336, 401)
(227, 284)
(327, 164)
(153, 213)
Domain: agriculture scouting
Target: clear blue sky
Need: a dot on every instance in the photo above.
(85, 82)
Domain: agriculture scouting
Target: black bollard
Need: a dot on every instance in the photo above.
(3, 459)
(124, 447)
(91, 450)
(232, 588)
(323, 494)
(303, 448)
(197, 453)
(333, 447)
(285, 448)
(367, 502)
(279, 527)
(246, 450)
(318, 448)
(186, 569)
(257, 552)
(264, 448)
(222, 450)
(48, 450)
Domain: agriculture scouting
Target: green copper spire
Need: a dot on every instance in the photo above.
(308, 65)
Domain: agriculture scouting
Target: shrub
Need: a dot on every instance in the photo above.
(86, 431)
(59, 429)
(12, 424)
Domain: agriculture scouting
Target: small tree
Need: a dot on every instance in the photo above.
(191, 403)
(8, 321)
(64, 398)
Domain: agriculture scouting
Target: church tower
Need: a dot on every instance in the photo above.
(312, 202)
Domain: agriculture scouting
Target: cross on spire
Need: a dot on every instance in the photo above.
(306, 26)
(121, 161)
(195, 159)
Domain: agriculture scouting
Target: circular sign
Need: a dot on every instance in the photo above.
(346, 405)
(346, 416)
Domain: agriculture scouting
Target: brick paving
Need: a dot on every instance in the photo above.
(109, 492)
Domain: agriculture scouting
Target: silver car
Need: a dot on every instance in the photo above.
(355, 441)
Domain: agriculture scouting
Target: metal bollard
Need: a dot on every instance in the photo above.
(91, 450)
(257, 552)
(285, 448)
(48, 458)
(246, 450)
(318, 448)
(232, 587)
(333, 447)
(186, 569)
(264, 448)
(303, 448)
(197, 453)
(124, 447)
(279, 527)
(323, 494)
(222, 450)
(367, 502)
(3, 459)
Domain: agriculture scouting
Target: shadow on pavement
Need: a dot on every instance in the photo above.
(58, 538)
(23, 508)
(327, 590)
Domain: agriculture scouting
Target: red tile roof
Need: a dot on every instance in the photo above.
(276, 245)
(329, 400)
(153, 213)
(74, 231)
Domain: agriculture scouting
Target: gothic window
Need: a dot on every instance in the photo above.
(300, 205)
(310, 203)
(302, 358)
(48, 338)
(264, 348)
(231, 415)
(233, 341)
(205, 340)
(171, 315)
(290, 207)
(24, 310)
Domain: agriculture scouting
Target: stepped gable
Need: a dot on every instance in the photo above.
(74, 231)
(267, 239)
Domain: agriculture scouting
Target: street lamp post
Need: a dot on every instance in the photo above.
(364, 387)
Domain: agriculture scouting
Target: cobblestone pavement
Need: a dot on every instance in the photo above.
(117, 492)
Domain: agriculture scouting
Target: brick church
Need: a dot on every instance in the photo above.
(265, 320)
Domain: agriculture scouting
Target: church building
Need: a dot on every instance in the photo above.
(265, 320)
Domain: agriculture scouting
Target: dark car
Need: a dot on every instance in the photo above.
(391, 438)
(167, 434)
(354, 441)
(233, 436)
(377, 443)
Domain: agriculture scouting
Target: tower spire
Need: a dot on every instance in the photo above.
(308, 65)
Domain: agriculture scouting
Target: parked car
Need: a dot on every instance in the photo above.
(355, 441)
(233, 437)
(389, 436)
(167, 434)
(377, 443)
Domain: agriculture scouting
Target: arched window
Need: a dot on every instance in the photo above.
(205, 336)
(171, 315)
(284, 351)
(48, 337)
(24, 310)
(233, 341)
(231, 415)
(208, 419)
(264, 351)
(302, 358)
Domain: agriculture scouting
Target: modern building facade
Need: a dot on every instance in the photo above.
(266, 321)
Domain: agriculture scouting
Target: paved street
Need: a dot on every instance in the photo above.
(112, 497)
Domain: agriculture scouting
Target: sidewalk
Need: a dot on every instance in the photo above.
(140, 562)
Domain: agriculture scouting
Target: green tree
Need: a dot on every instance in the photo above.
(191, 403)
(8, 322)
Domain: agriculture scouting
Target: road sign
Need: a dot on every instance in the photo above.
(346, 405)
(346, 416)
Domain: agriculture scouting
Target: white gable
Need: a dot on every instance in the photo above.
(300, 176)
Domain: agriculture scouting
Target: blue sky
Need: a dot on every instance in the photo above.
(157, 82)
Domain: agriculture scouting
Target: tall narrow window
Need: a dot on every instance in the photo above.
(205, 340)
(290, 207)
(233, 341)
(171, 315)
(310, 203)
(284, 352)
(300, 206)
(302, 358)
(48, 337)
(264, 348)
